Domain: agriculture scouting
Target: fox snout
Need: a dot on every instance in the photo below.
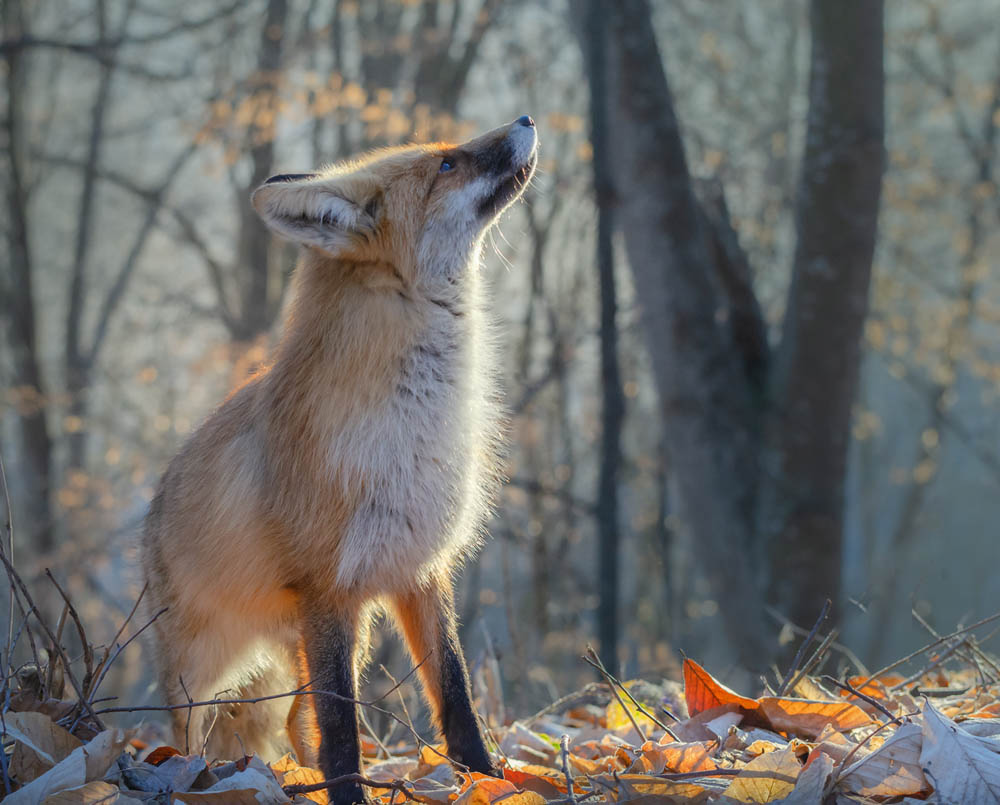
(508, 155)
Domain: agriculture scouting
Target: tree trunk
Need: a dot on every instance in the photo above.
(612, 396)
(256, 311)
(814, 376)
(710, 415)
(35, 448)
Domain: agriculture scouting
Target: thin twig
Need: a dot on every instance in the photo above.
(119, 649)
(851, 656)
(564, 752)
(847, 686)
(59, 649)
(88, 653)
(802, 648)
(118, 634)
(303, 691)
(943, 657)
(595, 661)
(360, 779)
(815, 659)
(932, 645)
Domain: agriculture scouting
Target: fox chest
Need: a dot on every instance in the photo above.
(415, 462)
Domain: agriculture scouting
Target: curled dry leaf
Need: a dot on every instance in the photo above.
(703, 692)
(487, 790)
(893, 769)
(961, 767)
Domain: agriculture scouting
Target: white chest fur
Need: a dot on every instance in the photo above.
(423, 456)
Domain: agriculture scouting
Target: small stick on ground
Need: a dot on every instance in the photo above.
(594, 661)
(344, 779)
(815, 659)
(800, 654)
(865, 697)
(932, 645)
(564, 752)
(16, 579)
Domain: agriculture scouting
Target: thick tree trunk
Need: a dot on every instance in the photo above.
(612, 396)
(257, 312)
(709, 412)
(35, 523)
(814, 376)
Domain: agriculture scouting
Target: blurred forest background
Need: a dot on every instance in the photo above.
(731, 394)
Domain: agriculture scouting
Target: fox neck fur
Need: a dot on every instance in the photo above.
(380, 406)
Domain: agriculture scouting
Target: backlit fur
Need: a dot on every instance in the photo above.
(360, 464)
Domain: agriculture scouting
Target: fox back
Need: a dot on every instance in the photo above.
(358, 467)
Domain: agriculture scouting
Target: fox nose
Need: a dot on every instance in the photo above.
(525, 120)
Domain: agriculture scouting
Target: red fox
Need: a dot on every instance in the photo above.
(355, 472)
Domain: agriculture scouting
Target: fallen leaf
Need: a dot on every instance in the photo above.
(807, 718)
(487, 790)
(960, 766)
(766, 778)
(702, 691)
(161, 753)
(893, 769)
(811, 784)
(640, 789)
(40, 744)
(93, 793)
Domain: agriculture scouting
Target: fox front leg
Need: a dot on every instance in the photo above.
(331, 637)
(427, 618)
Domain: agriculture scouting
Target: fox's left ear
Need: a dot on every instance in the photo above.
(330, 213)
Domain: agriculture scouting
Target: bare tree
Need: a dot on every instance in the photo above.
(612, 396)
(756, 441)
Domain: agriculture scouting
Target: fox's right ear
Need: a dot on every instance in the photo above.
(313, 211)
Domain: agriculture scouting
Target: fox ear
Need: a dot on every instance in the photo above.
(308, 209)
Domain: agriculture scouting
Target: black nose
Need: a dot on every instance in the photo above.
(525, 120)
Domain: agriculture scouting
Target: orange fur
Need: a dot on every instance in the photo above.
(360, 464)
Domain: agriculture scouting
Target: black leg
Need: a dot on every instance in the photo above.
(330, 641)
(458, 719)
(427, 617)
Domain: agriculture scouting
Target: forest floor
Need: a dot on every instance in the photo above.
(926, 728)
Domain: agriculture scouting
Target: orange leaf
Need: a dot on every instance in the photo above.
(808, 718)
(161, 753)
(694, 756)
(539, 779)
(702, 691)
(487, 790)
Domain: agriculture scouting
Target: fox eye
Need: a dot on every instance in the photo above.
(446, 165)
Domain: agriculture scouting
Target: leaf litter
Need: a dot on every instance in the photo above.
(933, 736)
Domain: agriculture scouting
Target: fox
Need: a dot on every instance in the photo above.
(353, 474)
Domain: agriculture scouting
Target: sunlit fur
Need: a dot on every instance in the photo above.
(359, 466)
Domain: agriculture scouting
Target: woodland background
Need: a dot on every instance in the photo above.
(758, 367)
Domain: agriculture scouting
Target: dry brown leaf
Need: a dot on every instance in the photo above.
(893, 769)
(93, 793)
(540, 779)
(766, 778)
(233, 796)
(684, 757)
(427, 789)
(303, 775)
(40, 744)
(488, 790)
(806, 719)
(811, 785)
(703, 692)
(161, 753)
(961, 767)
(640, 789)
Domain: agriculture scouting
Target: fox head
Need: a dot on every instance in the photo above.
(421, 208)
